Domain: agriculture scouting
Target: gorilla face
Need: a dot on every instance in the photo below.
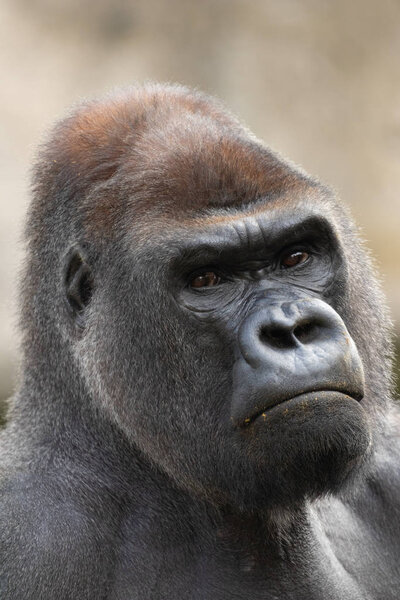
(223, 357)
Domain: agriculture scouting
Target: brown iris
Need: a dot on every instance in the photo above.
(294, 258)
(206, 279)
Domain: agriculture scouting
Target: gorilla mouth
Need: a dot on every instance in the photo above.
(307, 395)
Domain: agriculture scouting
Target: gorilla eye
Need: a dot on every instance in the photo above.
(206, 279)
(294, 258)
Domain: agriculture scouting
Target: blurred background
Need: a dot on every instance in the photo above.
(319, 80)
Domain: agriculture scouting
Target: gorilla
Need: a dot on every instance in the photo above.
(205, 408)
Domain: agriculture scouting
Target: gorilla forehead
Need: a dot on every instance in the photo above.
(249, 230)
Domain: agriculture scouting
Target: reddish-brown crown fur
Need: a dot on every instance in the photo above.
(157, 149)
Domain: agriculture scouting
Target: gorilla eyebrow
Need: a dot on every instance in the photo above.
(244, 237)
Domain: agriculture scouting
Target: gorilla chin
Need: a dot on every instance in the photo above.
(305, 447)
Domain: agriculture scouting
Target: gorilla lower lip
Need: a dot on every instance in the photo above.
(263, 412)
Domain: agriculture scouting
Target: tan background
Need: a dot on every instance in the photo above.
(317, 79)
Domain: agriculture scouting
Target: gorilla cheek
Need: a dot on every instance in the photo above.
(175, 420)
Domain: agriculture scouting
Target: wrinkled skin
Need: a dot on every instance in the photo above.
(205, 408)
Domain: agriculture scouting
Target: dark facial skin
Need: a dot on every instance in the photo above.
(205, 409)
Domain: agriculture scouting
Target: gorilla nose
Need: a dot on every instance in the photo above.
(291, 348)
(285, 326)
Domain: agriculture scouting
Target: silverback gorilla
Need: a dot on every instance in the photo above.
(205, 402)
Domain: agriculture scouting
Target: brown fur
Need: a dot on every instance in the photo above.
(158, 150)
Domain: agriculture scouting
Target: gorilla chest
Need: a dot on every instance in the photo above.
(178, 581)
(188, 573)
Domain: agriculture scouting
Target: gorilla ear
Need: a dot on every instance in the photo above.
(78, 284)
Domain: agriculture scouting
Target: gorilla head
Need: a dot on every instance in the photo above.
(207, 296)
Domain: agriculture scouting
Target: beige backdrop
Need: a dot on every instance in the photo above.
(317, 79)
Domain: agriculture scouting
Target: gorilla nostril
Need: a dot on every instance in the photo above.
(278, 337)
(306, 332)
(286, 334)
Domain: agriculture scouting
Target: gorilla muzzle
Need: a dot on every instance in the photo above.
(290, 348)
